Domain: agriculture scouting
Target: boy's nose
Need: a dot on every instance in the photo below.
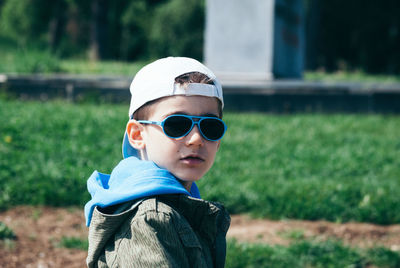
(194, 137)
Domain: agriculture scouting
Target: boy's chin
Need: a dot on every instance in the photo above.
(187, 178)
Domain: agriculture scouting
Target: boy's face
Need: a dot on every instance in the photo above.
(189, 157)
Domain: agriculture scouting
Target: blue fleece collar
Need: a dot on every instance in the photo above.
(132, 179)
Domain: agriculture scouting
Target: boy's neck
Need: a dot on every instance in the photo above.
(186, 184)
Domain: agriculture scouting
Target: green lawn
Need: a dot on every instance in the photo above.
(310, 166)
(300, 253)
(35, 59)
(308, 253)
(116, 68)
(350, 76)
(335, 167)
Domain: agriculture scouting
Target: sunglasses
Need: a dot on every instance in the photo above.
(179, 125)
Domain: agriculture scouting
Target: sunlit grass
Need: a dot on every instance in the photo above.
(306, 166)
(74, 242)
(117, 68)
(350, 76)
(308, 253)
(299, 253)
(310, 166)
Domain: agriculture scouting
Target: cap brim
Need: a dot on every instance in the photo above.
(127, 149)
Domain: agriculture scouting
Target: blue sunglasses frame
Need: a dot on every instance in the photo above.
(194, 122)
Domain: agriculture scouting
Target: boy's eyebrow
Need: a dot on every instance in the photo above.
(185, 113)
(210, 115)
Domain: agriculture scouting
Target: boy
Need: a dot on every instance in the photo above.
(148, 212)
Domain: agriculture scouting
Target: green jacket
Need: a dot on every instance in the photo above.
(163, 231)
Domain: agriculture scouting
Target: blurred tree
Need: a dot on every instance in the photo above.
(135, 23)
(57, 24)
(26, 20)
(76, 35)
(98, 30)
(340, 34)
(178, 29)
(114, 16)
(357, 34)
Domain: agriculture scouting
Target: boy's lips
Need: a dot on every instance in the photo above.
(192, 159)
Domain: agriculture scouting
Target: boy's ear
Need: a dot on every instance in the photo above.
(134, 130)
(218, 145)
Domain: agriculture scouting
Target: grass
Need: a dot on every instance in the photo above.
(350, 76)
(26, 59)
(19, 59)
(300, 253)
(74, 242)
(334, 167)
(77, 66)
(308, 253)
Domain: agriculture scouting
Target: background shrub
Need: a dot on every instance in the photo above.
(6, 232)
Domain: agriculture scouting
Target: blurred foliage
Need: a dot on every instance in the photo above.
(25, 20)
(135, 26)
(20, 59)
(184, 34)
(341, 35)
(352, 35)
(136, 30)
(6, 232)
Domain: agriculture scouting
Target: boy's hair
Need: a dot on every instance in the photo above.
(145, 111)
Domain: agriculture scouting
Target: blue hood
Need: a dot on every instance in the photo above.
(132, 179)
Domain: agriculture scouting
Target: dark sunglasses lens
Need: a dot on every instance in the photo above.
(212, 128)
(177, 126)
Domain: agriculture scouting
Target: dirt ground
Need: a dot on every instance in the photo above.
(39, 231)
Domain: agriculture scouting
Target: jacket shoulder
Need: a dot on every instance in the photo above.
(158, 234)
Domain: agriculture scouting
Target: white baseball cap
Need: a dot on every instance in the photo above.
(157, 80)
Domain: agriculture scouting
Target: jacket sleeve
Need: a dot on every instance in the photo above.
(154, 240)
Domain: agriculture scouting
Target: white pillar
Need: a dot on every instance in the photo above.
(239, 39)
